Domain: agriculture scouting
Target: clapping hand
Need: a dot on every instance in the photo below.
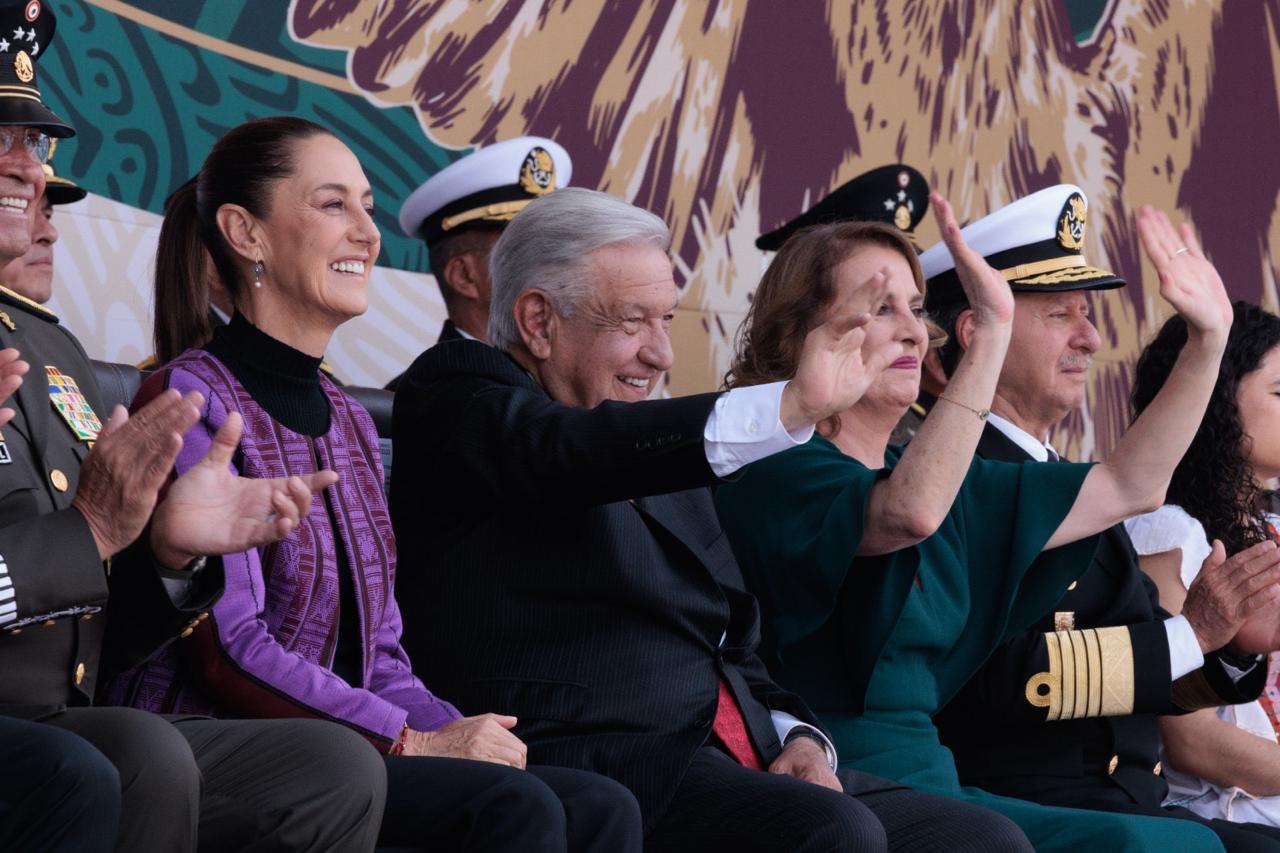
(1235, 599)
(1190, 283)
(988, 292)
(131, 460)
(834, 371)
(210, 510)
(11, 372)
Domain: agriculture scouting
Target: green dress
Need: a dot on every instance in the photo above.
(877, 645)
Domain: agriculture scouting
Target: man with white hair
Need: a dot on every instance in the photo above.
(574, 573)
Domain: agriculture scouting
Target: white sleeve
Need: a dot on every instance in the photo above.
(784, 724)
(1184, 649)
(746, 425)
(1167, 528)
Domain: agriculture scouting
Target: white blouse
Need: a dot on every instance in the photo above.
(1167, 528)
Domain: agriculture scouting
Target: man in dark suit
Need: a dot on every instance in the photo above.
(574, 573)
(1065, 713)
(460, 211)
(98, 571)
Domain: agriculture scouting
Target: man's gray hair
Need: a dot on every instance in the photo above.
(546, 247)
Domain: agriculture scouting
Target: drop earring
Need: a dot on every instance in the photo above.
(258, 270)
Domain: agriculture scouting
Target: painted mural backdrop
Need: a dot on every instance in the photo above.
(726, 117)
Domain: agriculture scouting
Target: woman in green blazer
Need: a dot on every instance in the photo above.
(886, 576)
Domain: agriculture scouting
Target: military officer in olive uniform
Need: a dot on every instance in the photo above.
(32, 274)
(1064, 713)
(74, 494)
(896, 195)
(461, 211)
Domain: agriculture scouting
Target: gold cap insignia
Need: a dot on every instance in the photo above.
(538, 172)
(8, 321)
(23, 68)
(1071, 222)
(902, 217)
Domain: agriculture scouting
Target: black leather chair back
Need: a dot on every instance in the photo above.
(119, 383)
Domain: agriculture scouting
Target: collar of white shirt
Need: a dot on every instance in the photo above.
(464, 333)
(1035, 448)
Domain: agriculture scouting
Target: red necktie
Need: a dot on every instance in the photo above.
(730, 728)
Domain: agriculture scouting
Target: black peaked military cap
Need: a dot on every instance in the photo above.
(897, 195)
(26, 31)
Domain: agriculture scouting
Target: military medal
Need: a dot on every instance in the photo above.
(65, 395)
(5, 458)
(1064, 620)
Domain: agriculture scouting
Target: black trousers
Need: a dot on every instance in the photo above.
(236, 785)
(1235, 837)
(721, 805)
(453, 804)
(57, 792)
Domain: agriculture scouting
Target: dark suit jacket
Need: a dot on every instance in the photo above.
(58, 639)
(572, 572)
(1004, 744)
(448, 332)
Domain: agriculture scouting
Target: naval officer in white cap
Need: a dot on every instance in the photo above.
(461, 211)
(1064, 713)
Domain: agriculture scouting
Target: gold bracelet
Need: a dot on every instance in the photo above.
(981, 413)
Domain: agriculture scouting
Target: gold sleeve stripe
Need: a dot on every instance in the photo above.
(1082, 674)
(1090, 674)
(1117, 663)
(1093, 708)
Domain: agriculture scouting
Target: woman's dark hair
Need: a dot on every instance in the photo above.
(793, 297)
(1214, 482)
(241, 169)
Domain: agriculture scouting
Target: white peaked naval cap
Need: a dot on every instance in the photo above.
(1036, 242)
(490, 185)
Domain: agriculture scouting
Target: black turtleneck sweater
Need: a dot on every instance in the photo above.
(286, 383)
(281, 379)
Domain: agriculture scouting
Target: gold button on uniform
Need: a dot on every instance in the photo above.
(58, 479)
(187, 633)
(1156, 770)
(1073, 585)
(1113, 764)
(79, 673)
(202, 617)
(49, 623)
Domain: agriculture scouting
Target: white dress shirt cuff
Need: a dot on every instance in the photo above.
(784, 724)
(746, 426)
(1184, 649)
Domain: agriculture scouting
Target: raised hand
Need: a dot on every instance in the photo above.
(12, 369)
(132, 459)
(834, 369)
(1187, 279)
(210, 510)
(986, 289)
(483, 738)
(1229, 593)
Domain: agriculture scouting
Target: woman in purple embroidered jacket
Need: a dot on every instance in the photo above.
(309, 626)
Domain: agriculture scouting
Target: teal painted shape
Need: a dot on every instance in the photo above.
(147, 107)
(1084, 15)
